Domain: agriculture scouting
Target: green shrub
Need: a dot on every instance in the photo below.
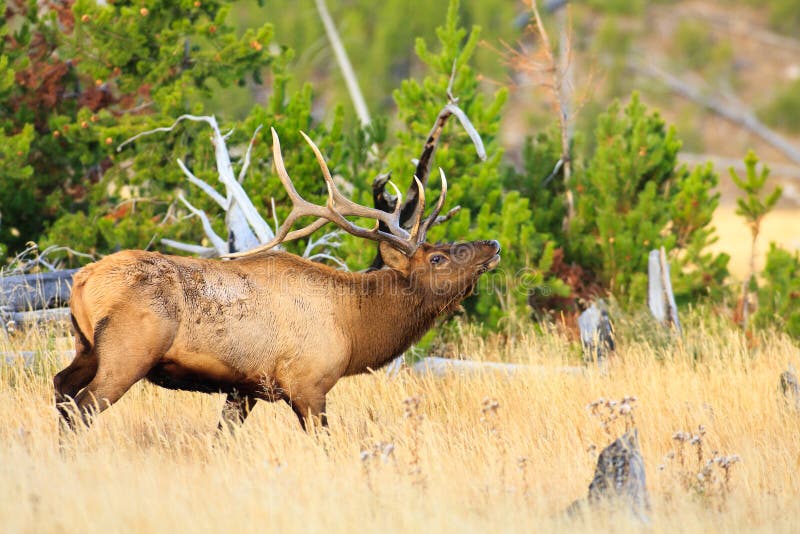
(783, 111)
(488, 211)
(779, 294)
(631, 196)
(76, 80)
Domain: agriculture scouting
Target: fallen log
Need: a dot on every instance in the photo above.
(437, 366)
(39, 291)
(34, 317)
(27, 357)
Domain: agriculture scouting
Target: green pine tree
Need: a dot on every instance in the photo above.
(488, 211)
(632, 197)
(78, 79)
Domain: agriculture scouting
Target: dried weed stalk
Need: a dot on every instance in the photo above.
(489, 408)
(414, 430)
(709, 477)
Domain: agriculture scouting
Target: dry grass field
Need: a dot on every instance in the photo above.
(154, 462)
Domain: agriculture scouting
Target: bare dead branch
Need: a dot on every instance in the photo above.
(740, 116)
(207, 189)
(246, 161)
(203, 252)
(219, 244)
(344, 63)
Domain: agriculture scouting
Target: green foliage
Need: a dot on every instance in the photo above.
(79, 79)
(488, 212)
(783, 109)
(752, 207)
(537, 182)
(632, 197)
(779, 295)
(697, 47)
(784, 15)
(379, 38)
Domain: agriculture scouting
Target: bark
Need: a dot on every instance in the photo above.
(660, 297)
(619, 480)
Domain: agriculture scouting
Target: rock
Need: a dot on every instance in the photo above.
(790, 387)
(619, 480)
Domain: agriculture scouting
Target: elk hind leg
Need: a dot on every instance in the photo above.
(126, 350)
(78, 374)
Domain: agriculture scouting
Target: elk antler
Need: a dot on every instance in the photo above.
(339, 207)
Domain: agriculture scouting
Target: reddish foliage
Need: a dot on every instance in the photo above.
(584, 288)
(119, 213)
(583, 285)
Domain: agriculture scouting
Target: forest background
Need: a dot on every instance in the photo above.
(647, 166)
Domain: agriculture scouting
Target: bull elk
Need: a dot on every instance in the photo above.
(267, 325)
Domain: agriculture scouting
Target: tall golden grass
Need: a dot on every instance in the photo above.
(154, 461)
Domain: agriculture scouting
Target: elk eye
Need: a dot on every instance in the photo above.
(436, 259)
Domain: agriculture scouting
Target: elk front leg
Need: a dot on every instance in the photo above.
(309, 409)
(236, 409)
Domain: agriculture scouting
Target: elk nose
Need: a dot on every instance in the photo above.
(496, 244)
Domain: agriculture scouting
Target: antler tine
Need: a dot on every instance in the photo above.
(338, 207)
(399, 204)
(430, 220)
(341, 206)
(300, 208)
(419, 213)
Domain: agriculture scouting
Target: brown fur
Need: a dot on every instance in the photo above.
(270, 326)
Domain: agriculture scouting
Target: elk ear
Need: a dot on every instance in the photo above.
(393, 257)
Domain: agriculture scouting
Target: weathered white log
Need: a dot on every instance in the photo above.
(35, 291)
(28, 318)
(660, 298)
(437, 366)
(27, 357)
(597, 332)
(245, 227)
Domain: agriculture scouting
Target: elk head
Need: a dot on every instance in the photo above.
(444, 270)
(447, 270)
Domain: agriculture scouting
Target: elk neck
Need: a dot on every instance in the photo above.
(385, 316)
